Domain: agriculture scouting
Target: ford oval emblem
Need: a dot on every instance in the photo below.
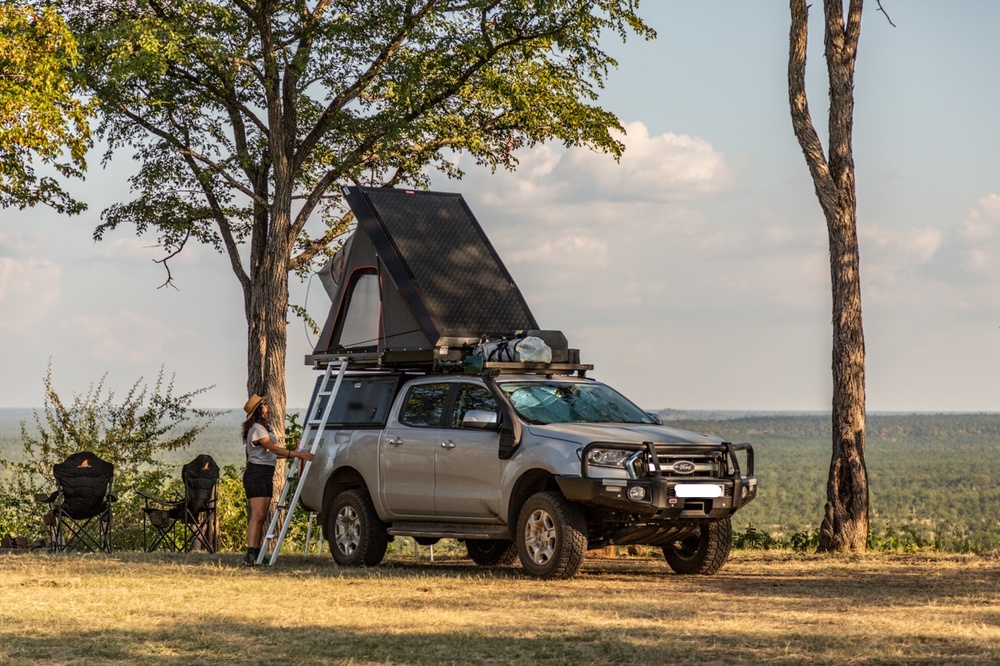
(683, 467)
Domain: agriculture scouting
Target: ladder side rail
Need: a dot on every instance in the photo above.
(321, 427)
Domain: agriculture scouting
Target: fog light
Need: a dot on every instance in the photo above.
(637, 493)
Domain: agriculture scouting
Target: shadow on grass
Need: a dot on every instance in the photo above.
(417, 612)
(676, 642)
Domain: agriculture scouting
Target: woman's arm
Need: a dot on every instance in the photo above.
(281, 451)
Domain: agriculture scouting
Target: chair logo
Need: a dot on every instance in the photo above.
(683, 467)
(85, 463)
(205, 468)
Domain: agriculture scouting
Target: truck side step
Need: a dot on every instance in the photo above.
(449, 530)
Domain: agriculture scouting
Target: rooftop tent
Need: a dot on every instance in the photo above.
(416, 280)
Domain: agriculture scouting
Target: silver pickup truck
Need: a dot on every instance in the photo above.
(534, 466)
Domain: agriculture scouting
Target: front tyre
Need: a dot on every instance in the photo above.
(551, 536)
(356, 534)
(491, 552)
(704, 552)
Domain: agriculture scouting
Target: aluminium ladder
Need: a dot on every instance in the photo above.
(314, 426)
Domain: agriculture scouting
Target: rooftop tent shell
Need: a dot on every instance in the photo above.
(417, 281)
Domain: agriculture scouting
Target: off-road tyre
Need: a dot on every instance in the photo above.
(491, 552)
(357, 536)
(551, 536)
(701, 553)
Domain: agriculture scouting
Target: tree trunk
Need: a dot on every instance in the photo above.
(845, 521)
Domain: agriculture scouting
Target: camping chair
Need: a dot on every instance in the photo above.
(179, 524)
(81, 507)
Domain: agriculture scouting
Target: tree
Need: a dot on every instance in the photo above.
(40, 118)
(845, 523)
(245, 115)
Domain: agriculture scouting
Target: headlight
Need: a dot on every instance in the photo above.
(607, 457)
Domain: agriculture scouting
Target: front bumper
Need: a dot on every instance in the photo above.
(658, 496)
(664, 495)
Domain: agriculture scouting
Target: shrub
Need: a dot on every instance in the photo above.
(127, 434)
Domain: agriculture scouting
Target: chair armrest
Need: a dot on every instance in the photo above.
(112, 497)
(150, 499)
(42, 498)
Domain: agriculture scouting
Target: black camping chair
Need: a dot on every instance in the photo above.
(81, 508)
(179, 524)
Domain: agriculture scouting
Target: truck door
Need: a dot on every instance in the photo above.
(408, 447)
(467, 471)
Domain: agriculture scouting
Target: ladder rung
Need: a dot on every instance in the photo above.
(314, 422)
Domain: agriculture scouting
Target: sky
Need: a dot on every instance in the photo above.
(693, 274)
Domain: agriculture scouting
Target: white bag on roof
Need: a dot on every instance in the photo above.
(529, 349)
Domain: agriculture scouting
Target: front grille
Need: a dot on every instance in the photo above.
(675, 463)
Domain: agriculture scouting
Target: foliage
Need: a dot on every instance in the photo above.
(244, 118)
(232, 509)
(40, 118)
(754, 539)
(129, 434)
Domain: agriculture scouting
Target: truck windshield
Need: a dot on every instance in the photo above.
(563, 402)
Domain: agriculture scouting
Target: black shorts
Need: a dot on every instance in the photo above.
(258, 480)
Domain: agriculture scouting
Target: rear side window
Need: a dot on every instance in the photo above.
(424, 406)
(360, 402)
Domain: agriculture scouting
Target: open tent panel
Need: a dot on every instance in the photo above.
(417, 281)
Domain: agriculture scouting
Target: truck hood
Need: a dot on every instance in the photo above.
(584, 433)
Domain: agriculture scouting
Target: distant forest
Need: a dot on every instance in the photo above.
(933, 476)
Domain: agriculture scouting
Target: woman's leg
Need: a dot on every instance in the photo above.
(255, 524)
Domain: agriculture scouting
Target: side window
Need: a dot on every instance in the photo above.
(362, 402)
(471, 396)
(425, 405)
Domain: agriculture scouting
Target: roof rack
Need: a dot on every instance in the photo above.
(419, 361)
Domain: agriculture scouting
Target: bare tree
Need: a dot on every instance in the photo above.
(845, 523)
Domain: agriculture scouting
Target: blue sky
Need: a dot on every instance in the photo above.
(693, 274)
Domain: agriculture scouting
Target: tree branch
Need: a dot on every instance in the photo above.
(885, 13)
(802, 122)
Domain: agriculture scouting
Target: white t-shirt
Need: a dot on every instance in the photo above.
(257, 453)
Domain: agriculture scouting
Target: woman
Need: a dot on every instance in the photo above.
(258, 479)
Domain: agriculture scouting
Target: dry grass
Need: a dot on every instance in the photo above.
(762, 608)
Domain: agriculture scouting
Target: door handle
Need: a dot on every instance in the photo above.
(448, 445)
(395, 441)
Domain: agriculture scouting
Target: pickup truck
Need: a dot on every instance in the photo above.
(518, 464)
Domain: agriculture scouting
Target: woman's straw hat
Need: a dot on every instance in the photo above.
(252, 404)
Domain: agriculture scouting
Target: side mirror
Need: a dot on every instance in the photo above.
(657, 419)
(481, 419)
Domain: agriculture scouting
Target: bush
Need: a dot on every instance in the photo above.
(754, 539)
(127, 434)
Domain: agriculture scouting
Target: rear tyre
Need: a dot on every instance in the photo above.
(551, 536)
(491, 552)
(356, 534)
(704, 552)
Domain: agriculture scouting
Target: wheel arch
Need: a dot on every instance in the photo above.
(343, 478)
(530, 482)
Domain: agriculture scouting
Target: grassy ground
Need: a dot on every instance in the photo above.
(772, 607)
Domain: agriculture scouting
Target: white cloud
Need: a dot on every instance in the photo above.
(125, 336)
(29, 289)
(665, 167)
(967, 252)
(560, 251)
(145, 250)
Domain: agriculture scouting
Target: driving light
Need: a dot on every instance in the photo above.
(637, 493)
